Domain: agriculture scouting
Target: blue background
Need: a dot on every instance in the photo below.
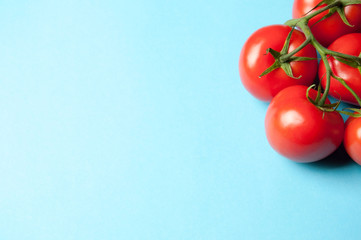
(127, 120)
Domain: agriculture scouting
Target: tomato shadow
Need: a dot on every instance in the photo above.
(262, 104)
(338, 159)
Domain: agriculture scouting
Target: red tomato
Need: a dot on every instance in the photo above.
(328, 30)
(348, 44)
(300, 131)
(254, 61)
(352, 138)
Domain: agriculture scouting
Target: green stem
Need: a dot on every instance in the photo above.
(286, 57)
(350, 90)
(328, 79)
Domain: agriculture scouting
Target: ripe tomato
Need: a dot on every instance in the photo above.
(254, 61)
(352, 138)
(328, 30)
(300, 131)
(348, 44)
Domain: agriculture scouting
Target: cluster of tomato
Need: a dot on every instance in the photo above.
(295, 127)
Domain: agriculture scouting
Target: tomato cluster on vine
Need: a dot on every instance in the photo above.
(283, 64)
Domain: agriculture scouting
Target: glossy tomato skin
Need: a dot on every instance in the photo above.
(328, 30)
(254, 61)
(298, 130)
(352, 138)
(348, 44)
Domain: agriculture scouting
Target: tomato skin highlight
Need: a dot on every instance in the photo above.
(254, 61)
(300, 131)
(352, 138)
(328, 30)
(349, 44)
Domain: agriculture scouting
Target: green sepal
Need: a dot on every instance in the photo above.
(352, 114)
(332, 107)
(348, 62)
(273, 67)
(341, 12)
(355, 115)
(337, 77)
(354, 109)
(286, 46)
(343, 82)
(308, 97)
(329, 14)
(325, 107)
(288, 70)
(339, 9)
(320, 4)
(350, 2)
(286, 66)
(273, 52)
(318, 97)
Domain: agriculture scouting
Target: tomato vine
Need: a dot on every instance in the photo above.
(332, 6)
(279, 63)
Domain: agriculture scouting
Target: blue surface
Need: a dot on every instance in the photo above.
(127, 120)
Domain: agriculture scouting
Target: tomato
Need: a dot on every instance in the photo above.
(254, 61)
(352, 138)
(300, 131)
(328, 30)
(348, 44)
